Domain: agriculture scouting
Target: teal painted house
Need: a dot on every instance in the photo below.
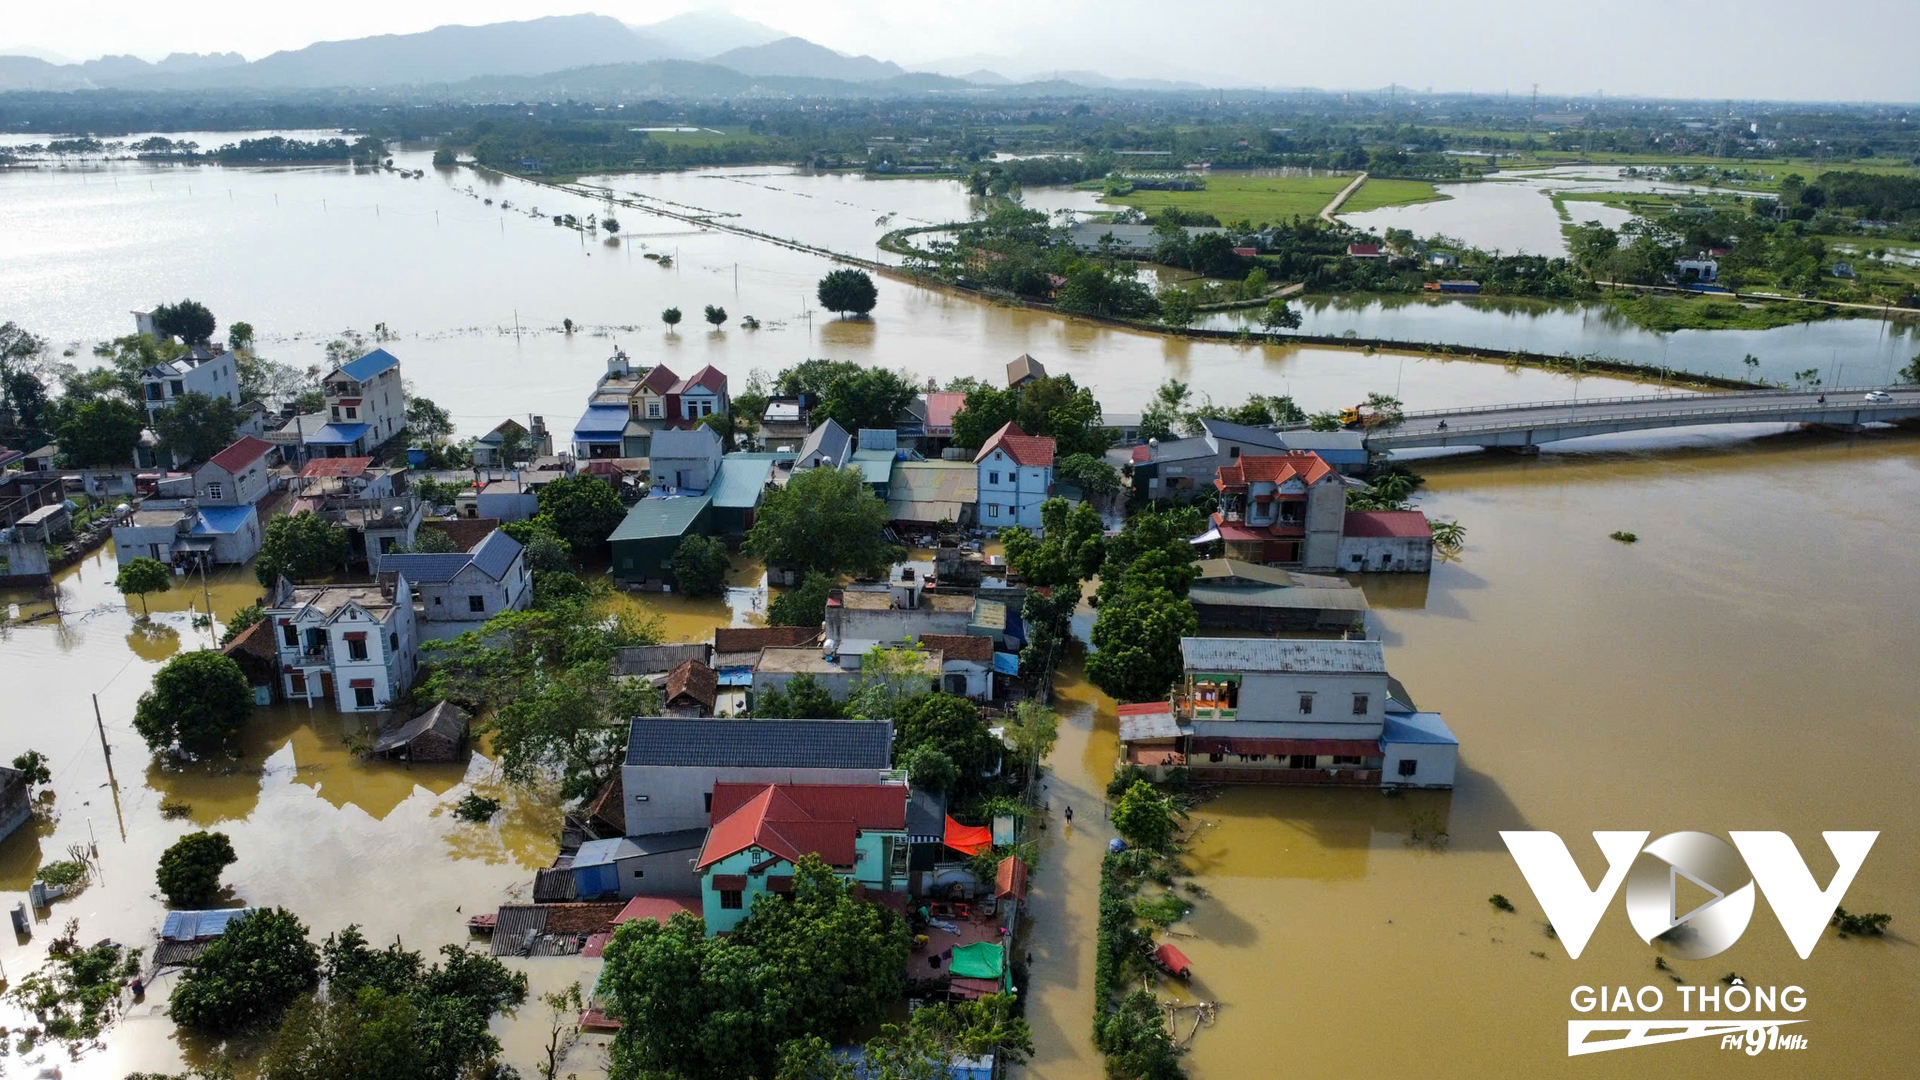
(738, 489)
(760, 832)
(644, 544)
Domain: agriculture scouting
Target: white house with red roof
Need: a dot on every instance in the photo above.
(760, 832)
(1281, 510)
(1386, 541)
(1016, 476)
(240, 475)
(699, 395)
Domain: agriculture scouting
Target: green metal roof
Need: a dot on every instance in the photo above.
(742, 480)
(655, 519)
(875, 465)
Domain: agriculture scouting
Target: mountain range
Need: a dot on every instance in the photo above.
(573, 52)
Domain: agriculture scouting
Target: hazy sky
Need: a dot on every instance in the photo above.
(1867, 50)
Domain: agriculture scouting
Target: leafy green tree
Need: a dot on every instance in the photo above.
(299, 547)
(547, 553)
(104, 431)
(1088, 473)
(611, 224)
(196, 426)
(1911, 373)
(239, 622)
(803, 605)
(889, 679)
(804, 698)
(371, 1034)
(188, 320)
(583, 510)
(825, 520)
(142, 576)
(248, 976)
(701, 565)
(189, 873)
(1032, 736)
(843, 291)
(1144, 817)
(571, 722)
(951, 725)
(1136, 638)
(715, 315)
(240, 336)
(1134, 1037)
(670, 316)
(930, 769)
(1178, 306)
(199, 702)
(926, 1048)
(1277, 315)
(1324, 421)
(427, 420)
(868, 398)
(433, 542)
(32, 765)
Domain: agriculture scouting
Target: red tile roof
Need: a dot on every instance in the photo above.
(978, 650)
(695, 680)
(1024, 449)
(241, 454)
(1387, 523)
(334, 466)
(1309, 467)
(709, 377)
(793, 820)
(1010, 879)
(257, 640)
(657, 908)
(1144, 708)
(660, 380)
(1363, 249)
(941, 407)
(754, 638)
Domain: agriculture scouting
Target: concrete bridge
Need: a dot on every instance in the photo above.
(1534, 423)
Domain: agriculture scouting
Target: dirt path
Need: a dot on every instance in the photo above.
(1762, 297)
(1332, 208)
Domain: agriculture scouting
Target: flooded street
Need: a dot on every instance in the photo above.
(1746, 665)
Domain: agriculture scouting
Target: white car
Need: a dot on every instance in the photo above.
(1879, 395)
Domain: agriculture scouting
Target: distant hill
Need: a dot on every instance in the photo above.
(455, 53)
(983, 77)
(181, 62)
(701, 34)
(687, 78)
(800, 57)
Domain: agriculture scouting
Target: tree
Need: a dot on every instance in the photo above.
(951, 725)
(189, 873)
(1911, 373)
(1324, 421)
(670, 316)
(611, 224)
(866, 398)
(443, 158)
(188, 320)
(572, 723)
(827, 520)
(1277, 315)
(1134, 1038)
(701, 565)
(104, 431)
(930, 769)
(371, 1034)
(32, 766)
(583, 510)
(1136, 640)
(427, 420)
(888, 680)
(803, 605)
(199, 701)
(1032, 737)
(196, 426)
(248, 975)
(239, 622)
(843, 291)
(1448, 536)
(240, 336)
(715, 315)
(271, 382)
(928, 1047)
(299, 547)
(1144, 817)
(433, 542)
(563, 1011)
(804, 698)
(142, 576)
(1178, 306)
(1088, 473)
(547, 553)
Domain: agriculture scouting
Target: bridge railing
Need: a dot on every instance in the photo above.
(1760, 414)
(1563, 403)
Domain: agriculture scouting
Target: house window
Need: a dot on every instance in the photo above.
(730, 899)
(393, 642)
(993, 509)
(1302, 761)
(1216, 758)
(214, 491)
(177, 387)
(706, 408)
(1233, 453)
(438, 600)
(993, 478)
(476, 603)
(709, 802)
(1408, 767)
(353, 413)
(290, 634)
(357, 650)
(1306, 704)
(653, 410)
(1346, 759)
(363, 697)
(386, 545)
(336, 412)
(154, 393)
(1359, 704)
(1358, 558)
(639, 873)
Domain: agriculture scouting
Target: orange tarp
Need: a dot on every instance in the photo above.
(971, 839)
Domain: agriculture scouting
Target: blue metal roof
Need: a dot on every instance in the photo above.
(221, 520)
(337, 435)
(368, 366)
(188, 925)
(1421, 727)
(1006, 663)
(426, 568)
(602, 420)
(742, 480)
(495, 554)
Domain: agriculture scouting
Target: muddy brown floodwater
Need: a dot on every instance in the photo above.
(1747, 665)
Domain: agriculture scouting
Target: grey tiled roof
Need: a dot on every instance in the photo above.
(829, 439)
(1246, 433)
(495, 554)
(791, 744)
(426, 568)
(1281, 655)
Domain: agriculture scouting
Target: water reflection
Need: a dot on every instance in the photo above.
(153, 640)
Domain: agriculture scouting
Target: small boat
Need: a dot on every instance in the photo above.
(1173, 962)
(481, 924)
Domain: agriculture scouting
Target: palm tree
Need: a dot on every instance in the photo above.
(1448, 536)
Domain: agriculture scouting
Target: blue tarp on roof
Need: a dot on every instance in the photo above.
(1417, 728)
(337, 435)
(221, 520)
(369, 365)
(188, 925)
(603, 421)
(736, 676)
(1006, 663)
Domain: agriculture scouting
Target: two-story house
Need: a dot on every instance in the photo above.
(365, 405)
(1282, 510)
(672, 765)
(1016, 476)
(456, 591)
(202, 369)
(699, 395)
(684, 460)
(351, 645)
(240, 475)
(760, 832)
(650, 408)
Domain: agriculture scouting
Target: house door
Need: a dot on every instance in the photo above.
(298, 680)
(326, 686)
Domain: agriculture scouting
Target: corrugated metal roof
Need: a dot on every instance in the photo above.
(1405, 524)
(1215, 569)
(1274, 654)
(222, 519)
(658, 659)
(887, 439)
(602, 852)
(1425, 728)
(655, 519)
(241, 454)
(1294, 599)
(1246, 433)
(792, 744)
(741, 481)
(337, 435)
(369, 365)
(604, 420)
(875, 465)
(188, 925)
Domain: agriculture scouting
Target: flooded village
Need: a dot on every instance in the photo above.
(517, 698)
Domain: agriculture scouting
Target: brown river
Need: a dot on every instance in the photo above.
(1747, 665)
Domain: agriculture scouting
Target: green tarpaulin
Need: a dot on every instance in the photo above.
(981, 960)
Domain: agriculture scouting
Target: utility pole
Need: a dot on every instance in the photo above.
(105, 750)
